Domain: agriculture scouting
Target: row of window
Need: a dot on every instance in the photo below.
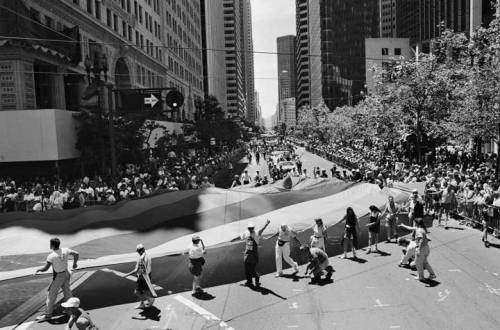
(385, 51)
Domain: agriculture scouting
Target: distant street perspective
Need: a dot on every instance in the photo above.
(249, 164)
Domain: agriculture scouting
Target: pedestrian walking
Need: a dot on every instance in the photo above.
(351, 231)
(391, 212)
(77, 316)
(142, 271)
(282, 249)
(251, 254)
(422, 251)
(196, 251)
(373, 228)
(320, 236)
(58, 260)
(318, 262)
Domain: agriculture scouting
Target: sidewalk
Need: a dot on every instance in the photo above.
(371, 294)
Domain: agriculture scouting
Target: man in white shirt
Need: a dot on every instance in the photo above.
(282, 249)
(58, 259)
(196, 250)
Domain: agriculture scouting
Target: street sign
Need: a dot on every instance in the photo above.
(151, 100)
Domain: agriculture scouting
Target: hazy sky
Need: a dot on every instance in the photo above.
(270, 19)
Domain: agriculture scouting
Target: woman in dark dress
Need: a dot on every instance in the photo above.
(350, 232)
(373, 228)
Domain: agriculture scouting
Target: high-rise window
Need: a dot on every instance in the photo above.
(129, 33)
(97, 4)
(397, 51)
(385, 51)
(115, 22)
(124, 29)
(108, 17)
(89, 7)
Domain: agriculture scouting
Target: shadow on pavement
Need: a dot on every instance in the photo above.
(382, 253)
(321, 282)
(295, 277)
(150, 313)
(203, 296)
(264, 291)
(431, 283)
(358, 260)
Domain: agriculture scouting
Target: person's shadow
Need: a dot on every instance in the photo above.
(203, 295)
(321, 282)
(382, 253)
(150, 313)
(295, 276)
(264, 291)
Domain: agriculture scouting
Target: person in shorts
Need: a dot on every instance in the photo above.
(196, 251)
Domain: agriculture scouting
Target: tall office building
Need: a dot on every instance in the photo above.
(235, 85)
(331, 49)
(286, 67)
(248, 63)
(420, 20)
(387, 12)
(214, 61)
(50, 46)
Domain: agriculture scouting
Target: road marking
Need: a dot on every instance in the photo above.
(130, 277)
(496, 274)
(297, 290)
(203, 312)
(442, 296)
(407, 279)
(455, 270)
(492, 289)
(292, 326)
(395, 326)
(371, 287)
(170, 316)
(379, 303)
(294, 306)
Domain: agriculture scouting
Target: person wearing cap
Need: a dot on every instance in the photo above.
(320, 236)
(318, 262)
(205, 183)
(251, 254)
(58, 260)
(142, 271)
(196, 250)
(77, 316)
(236, 181)
(282, 249)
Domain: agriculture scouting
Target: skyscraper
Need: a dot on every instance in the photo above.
(286, 67)
(214, 62)
(420, 20)
(235, 86)
(248, 64)
(387, 10)
(330, 49)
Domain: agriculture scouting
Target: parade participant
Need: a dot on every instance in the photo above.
(409, 247)
(77, 316)
(447, 198)
(390, 212)
(58, 260)
(416, 207)
(142, 271)
(205, 183)
(351, 231)
(258, 178)
(318, 262)
(373, 228)
(320, 236)
(246, 178)
(236, 181)
(282, 249)
(196, 250)
(422, 251)
(251, 254)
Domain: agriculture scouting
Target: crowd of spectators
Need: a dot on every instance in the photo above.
(190, 169)
(453, 175)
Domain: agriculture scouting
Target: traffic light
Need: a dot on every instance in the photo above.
(174, 99)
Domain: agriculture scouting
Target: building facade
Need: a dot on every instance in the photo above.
(214, 61)
(381, 53)
(387, 11)
(53, 48)
(420, 20)
(233, 45)
(287, 113)
(248, 61)
(330, 49)
(286, 67)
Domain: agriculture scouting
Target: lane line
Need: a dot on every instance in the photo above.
(23, 326)
(203, 312)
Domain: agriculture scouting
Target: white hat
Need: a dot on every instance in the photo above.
(71, 302)
(195, 237)
(415, 190)
(140, 247)
(250, 225)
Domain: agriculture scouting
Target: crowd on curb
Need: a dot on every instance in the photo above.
(458, 181)
(190, 169)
